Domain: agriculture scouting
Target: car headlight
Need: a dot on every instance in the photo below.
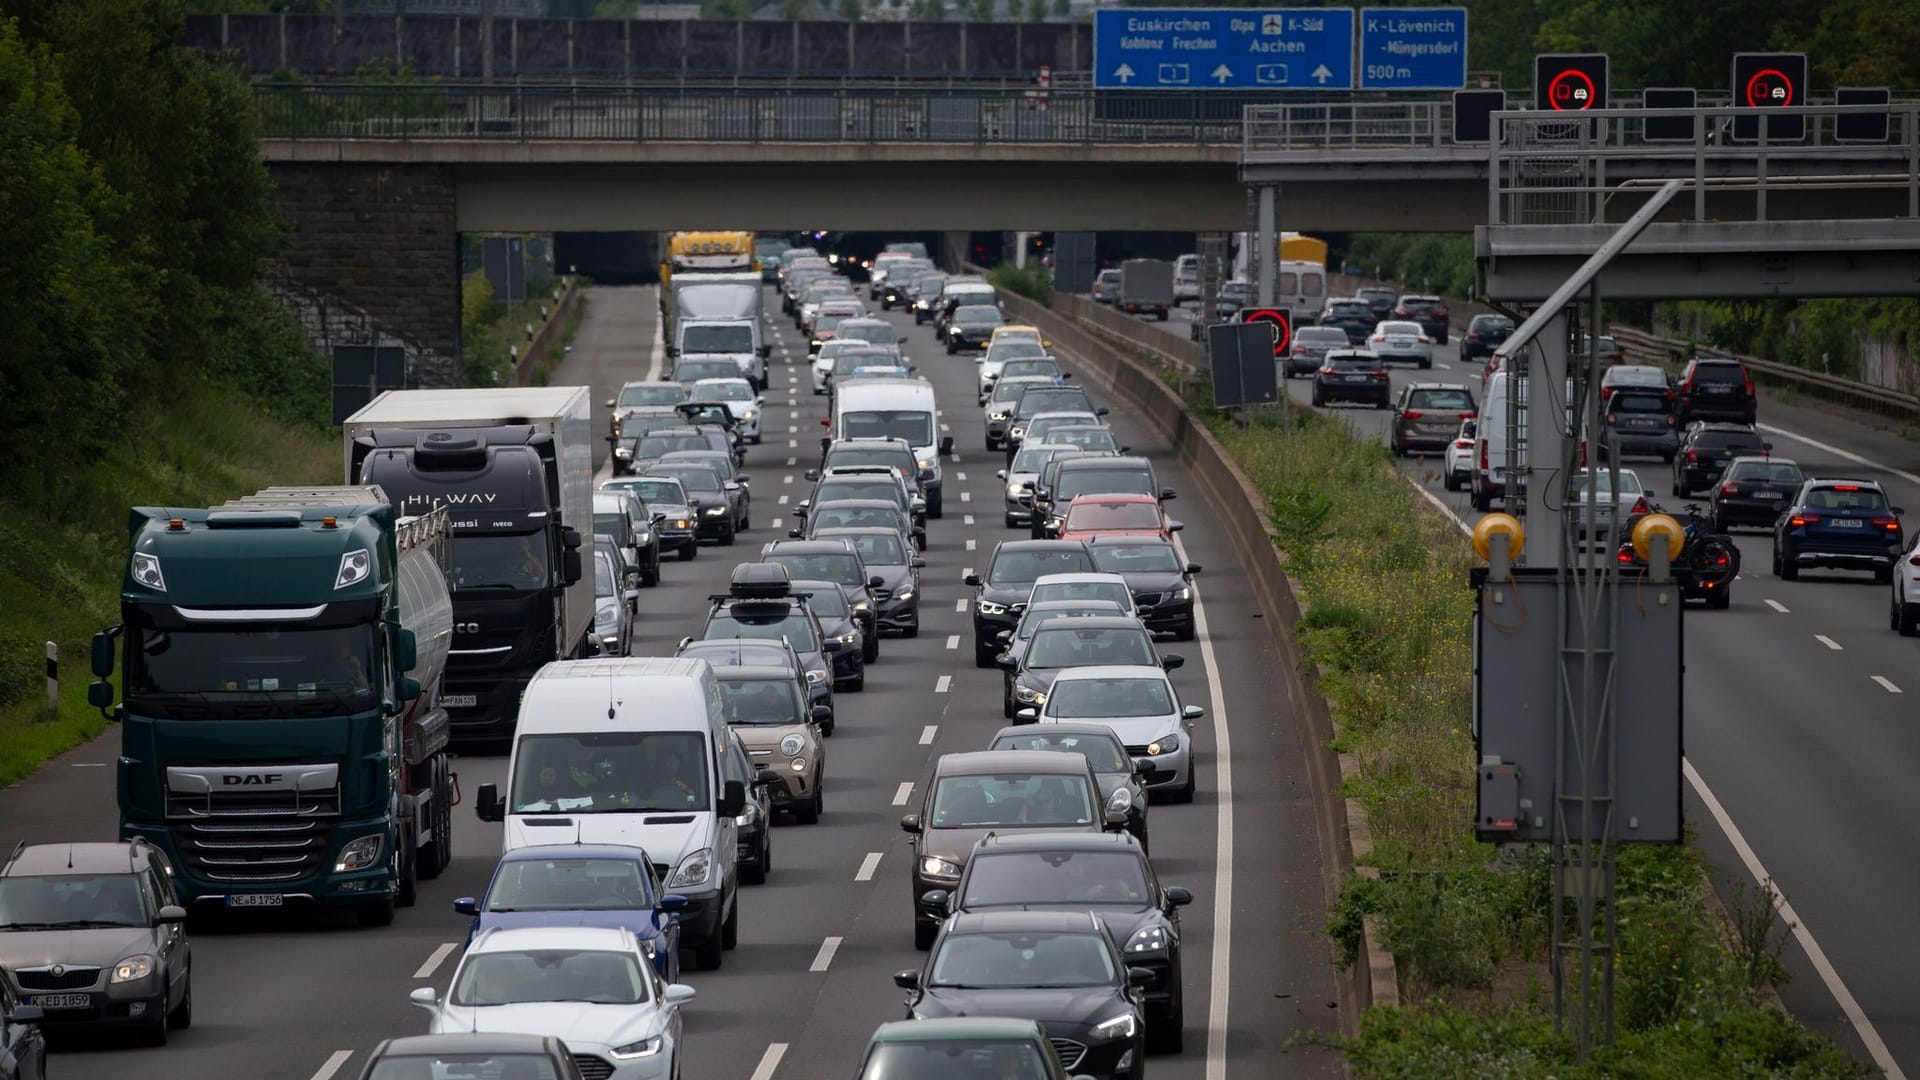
(816, 677)
(1165, 744)
(1148, 939)
(846, 639)
(935, 867)
(792, 745)
(748, 812)
(862, 605)
(714, 511)
(623, 453)
(997, 416)
(693, 871)
(1184, 592)
(360, 854)
(130, 968)
(798, 764)
(747, 414)
(904, 594)
(1014, 491)
(1120, 1027)
(640, 1049)
(683, 523)
(1027, 695)
(988, 607)
(643, 538)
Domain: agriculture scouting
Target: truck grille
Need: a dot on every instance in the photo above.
(73, 978)
(254, 837)
(1070, 1052)
(592, 1068)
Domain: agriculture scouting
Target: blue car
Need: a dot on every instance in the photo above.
(1838, 524)
(606, 885)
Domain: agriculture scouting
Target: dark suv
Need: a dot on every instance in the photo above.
(1484, 335)
(93, 936)
(1706, 449)
(1380, 298)
(1641, 422)
(1717, 390)
(1427, 416)
(1429, 311)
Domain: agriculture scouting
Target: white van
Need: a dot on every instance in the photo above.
(1487, 479)
(896, 409)
(1186, 279)
(633, 750)
(1301, 288)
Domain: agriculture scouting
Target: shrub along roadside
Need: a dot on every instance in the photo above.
(1384, 588)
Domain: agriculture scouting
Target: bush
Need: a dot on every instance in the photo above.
(23, 667)
(1033, 282)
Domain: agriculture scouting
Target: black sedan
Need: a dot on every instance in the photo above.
(1752, 492)
(1105, 874)
(1706, 448)
(1060, 968)
(1353, 375)
(972, 326)
(1162, 585)
(1001, 593)
(1353, 317)
(1838, 524)
(887, 555)
(1106, 755)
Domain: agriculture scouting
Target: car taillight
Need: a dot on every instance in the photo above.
(1886, 523)
(1914, 561)
(1469, 415)
(1626, 555)
(1326, 371)
(1378, 339)
(1729, 489)
(1299, 350)
(1693, 456)
(1639, 505)
(1606, 392)
(1473, 335)
(1801, 520)
(1463, 444)
(1686, 386)
(1438, 313)
(1672, 421)
(1483, 457)
(1412, 414)
(1846, 487)
(1611, 418)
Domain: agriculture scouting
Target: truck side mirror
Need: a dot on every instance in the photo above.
(103, 653)
(100, 695)
(487, 804)
(733, 799)
(570, 539)
(407, 689)
(405, 649)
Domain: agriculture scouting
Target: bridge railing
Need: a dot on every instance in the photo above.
(532, 113)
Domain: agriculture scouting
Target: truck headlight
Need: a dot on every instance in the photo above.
(693, 871)
(792, 745)
(146, 571)
(130, 968)
(360, 854)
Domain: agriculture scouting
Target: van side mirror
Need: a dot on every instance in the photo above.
(812, 474)
(733, 799)
(946, 446)
(100, 695)
(766, 350)
(405, 650)
(1026, 716)
(102, 657)
(487, 805)
(673, 350)
(876, 582)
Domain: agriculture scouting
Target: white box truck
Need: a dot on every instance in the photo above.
(719, 315)
(1146, 287)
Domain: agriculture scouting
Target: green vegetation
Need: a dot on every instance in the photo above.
(556, 347)
(1384, 586)
(1819, 335)
(493, 333)
(1035, 282)
(1435, 262)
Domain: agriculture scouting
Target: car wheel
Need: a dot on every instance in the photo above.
(854, 684)
(406, 889)
(910, 631)
(1482, 501)
(808, 813)
(1426, 364)
(1184, 793)
(826, 726)
(1170, 1036)
(870, 649)
(1785, 566)
(923, 933)
(1883, 576)
(181, 1017)
(1185, 633)
(726, 538)
(1012, 522)
(1450, 481)
(983, 658)
(934, 509)
(1906, 619)
(754, 873)
(156, 1032)
(687, 553)
(1318, 398)
(730, 930)
(1720, 599)
(651, 577)
(707, 955)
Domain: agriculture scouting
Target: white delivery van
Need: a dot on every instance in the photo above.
(1487, 480)
(633, 750)
(896, 409)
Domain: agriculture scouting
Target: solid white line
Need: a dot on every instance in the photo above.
(953, 641)
(1886, 684)
(769, 1061)
(434, 959)
(825, 956)
(332, 1065)
(1815, 955)
(867, 866)
(656, 358)
(972, 543)
(927, 733)
(904, 793)
(89, 764)
(944, 684)
(967, 520)
(1222, 848)
(966, 496)
(960, 604)
(1827, 641)
(1837, 452)
(1779, 607)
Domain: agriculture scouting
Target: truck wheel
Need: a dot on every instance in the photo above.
(730, 930)
(437, 852)
(406, 889)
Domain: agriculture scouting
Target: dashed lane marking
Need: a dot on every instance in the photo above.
(943, 685)
(435, 958)
(903, 793)
(825, 956)
(927, 734)
(867, 866)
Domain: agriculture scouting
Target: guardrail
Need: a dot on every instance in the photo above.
(746, 114)
(1644, 347)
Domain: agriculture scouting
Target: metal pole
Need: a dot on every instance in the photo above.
(53, 677)
(1266, 244)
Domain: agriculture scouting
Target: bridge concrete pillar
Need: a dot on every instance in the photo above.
(956, 249)
(373, 257)
(1266, 243)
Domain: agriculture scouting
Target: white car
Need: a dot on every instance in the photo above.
(1904, 612)
(1404, 341)
(996, 357)
(590, 987)
(1138, 702)
(1459, 457)
(742, 403)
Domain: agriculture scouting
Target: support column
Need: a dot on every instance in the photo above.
(1266, 244)
(1538, 441)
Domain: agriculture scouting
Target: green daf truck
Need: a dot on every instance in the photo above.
(282, 737)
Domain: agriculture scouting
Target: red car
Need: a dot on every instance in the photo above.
(1089, 516)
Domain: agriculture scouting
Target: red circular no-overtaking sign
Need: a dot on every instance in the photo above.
(1282, 326)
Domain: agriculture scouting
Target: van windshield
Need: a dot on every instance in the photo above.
(914, 426)
(609, 772)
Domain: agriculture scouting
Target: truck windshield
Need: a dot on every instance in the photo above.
(609, 772)
(492, 561)
(723, 338)
(914, 426)
(237, 658)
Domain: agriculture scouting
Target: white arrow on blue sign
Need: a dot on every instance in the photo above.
(1223, 48)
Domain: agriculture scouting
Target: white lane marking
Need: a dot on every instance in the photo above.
(791, 428)
(783, 499)
(1223, 846)
(927, 734)
(944, 684)
(960, 604)
(1779, 607)
(774, 524)
(792, 462)
(787, 479)
(89, 764)
(969, 573)
(332, 1064)
(435, 958)
(953, 641)
(791, 443)
(967, 520)
(954, 459)
(904, 793)
(791, 402)
(1827, 641)
(867, 866)
(1886, 684)
(961, 475)
(972, 543)
(825, 956)
(769, 1061)
(1837, 452)
(656, 357)
(966, 496)
(1816, 956)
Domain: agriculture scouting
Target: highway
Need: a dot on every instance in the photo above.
(1798, 724)
(799, 998)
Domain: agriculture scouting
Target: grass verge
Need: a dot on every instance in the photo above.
(1387, 620)
(61, 579)
(556, 348)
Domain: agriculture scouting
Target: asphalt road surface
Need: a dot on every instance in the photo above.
(1798, 727)
(290, 999)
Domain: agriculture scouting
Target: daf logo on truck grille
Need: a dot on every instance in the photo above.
(268, 779)
(466, 628)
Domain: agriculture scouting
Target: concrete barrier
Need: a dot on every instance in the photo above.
(523, 369)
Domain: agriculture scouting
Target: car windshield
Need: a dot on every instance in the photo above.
(1122, 481)
(457, 1066)
(1054, 399)
(1016, 368)
(1602, 483)
(976, 314)
(612, 525)
(1103, 752)
(1115, 591)
(1419, 303)
(1084, 437)
(1026, 567)
(1015, 349)
(697, 478)
(636, 394)
(878, 333)
(785, 622)
(1055, 877)
(1113, 515)
(1637, 403)
(911, 426)
(669, 492)
(266, 658)
(1404, 329)
(1087, 699)
(827, 601)
(1029, 460)
(1722, 441)
(849, 516)
(569, 884)
(839, 569)
(726, 390)
(1078, 646)
(717, 338)
(1033, 620)
(878, 549)
(1353, 363)
(1451, 399)
(980, 802)
(609, 772)
(854, 490)
(851, 360)
(1136, 559)
(52, 901)
(829, 320)
(1719, 373)
(896, 458)
(1490, 322)
(1765, 472)
(1653, 377)
(1321, 335)
(762, 701)
(603, 575)
(923, 1059)
(654, 446)
(1354, 309)
(1001, 961)
(1846, 497)
(592, 976)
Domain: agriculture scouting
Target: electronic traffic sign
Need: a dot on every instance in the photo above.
(1223, 49)
(1568, 82)
(1473, 114)
(1770, 81)
(1667, 128)
(1413, 48)
(1861, 127)
(1282, 322)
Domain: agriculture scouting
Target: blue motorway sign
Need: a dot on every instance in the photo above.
(1223, 49)
(1413, 48)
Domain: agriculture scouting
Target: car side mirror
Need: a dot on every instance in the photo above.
(1006, 662)
(764, 776)
(876, 582)
(1126, 449)
(678, 994)
(743, 478)
(1167, 493)
(1172, 661)
(733, 485)
(672, 902)
(170, 914)
(910, 823)
(766, 351)
(673, 350)
(487, 804)
(1139, 976)
(907, 980)
(812, 474)
(1001, 473)
(1178, 896)
(1192, 712)
(821, 714)
(467, 905)
(936, 898)
(1176, 526)
(1193, 568)
(797, 534)
(946, 446)
(971, 579)
(1766, 446)
(1897, 512)
(1102, 411)
(658, 517)
(733, 799)
(917, 563)
(425, 997)
(1144, 767)
(609, 403)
